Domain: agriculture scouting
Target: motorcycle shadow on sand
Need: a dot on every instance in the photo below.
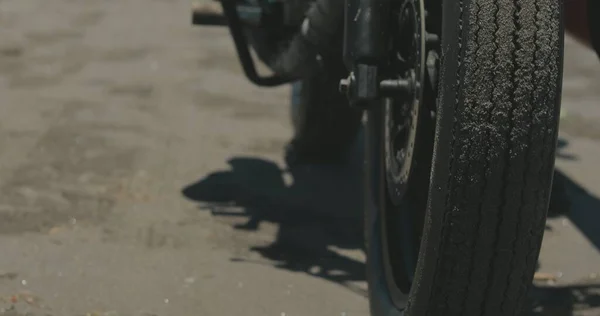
(318, 211)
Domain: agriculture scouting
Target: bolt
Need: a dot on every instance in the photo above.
(397, 85)
(345, 85)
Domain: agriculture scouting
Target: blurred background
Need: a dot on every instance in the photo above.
(141, 174)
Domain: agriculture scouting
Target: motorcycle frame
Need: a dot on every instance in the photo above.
(235, 17)
(366, 34)
(365, 38)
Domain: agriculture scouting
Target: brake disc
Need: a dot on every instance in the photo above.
(401, 113)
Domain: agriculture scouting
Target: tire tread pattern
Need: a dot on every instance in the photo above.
(502, 156)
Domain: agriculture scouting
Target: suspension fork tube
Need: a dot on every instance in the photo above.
(366, 38)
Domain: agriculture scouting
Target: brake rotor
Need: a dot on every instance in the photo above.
(402, 112)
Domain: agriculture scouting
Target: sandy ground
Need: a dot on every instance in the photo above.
(141, 174)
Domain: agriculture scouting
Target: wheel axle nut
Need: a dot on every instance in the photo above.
(345, 83)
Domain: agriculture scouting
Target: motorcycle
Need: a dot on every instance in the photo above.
(460, 101)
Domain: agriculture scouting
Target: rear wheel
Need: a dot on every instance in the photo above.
(458, 187)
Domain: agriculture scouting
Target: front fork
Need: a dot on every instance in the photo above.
(367, 34)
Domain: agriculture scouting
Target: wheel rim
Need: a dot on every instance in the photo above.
(405, 140)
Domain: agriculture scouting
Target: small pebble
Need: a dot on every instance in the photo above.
(190, 280)
(166, 301)
(564, 223)
(315, 270)
(563, 113)
(288, 179)
(23, 282)
(538, 309)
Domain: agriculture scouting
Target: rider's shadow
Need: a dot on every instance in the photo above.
(318, 211)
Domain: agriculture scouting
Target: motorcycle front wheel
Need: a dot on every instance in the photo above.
(457, 187)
